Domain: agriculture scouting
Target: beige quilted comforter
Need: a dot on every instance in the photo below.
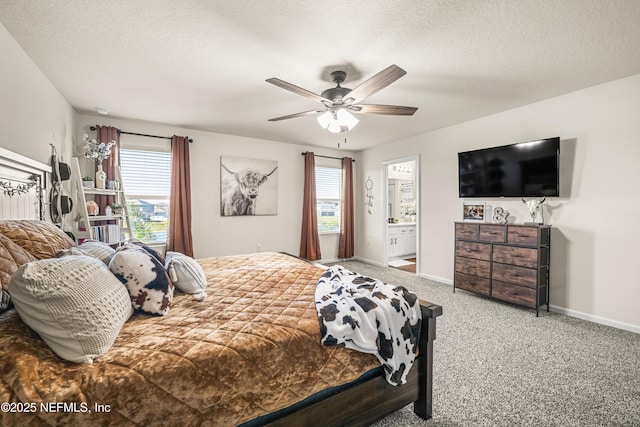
(252, 347)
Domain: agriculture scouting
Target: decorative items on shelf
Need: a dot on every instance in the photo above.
(473, 211)
(500, 215)
(98, 151)
(88, 182)
(92, 208)
(535, 207)
(108, 221)
(117, 209)
(101, 178)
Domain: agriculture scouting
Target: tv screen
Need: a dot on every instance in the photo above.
(527, 169)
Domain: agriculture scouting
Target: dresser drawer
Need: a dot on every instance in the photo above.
(524, 257)
(513, 274)
(508, 262)
(514, 293)
(474, 267)
(475, 284)
(519, 235)
(467, 231)
(492, 233)
(473, 250)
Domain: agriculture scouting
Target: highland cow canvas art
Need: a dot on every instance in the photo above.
(248, 186)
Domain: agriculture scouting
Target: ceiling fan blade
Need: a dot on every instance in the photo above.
(298, 90)
(391, 110)
(372, 85)
(291, 116)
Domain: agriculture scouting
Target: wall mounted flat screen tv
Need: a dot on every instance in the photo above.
(527, 169)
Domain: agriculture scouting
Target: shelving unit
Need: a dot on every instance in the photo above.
(111, 229)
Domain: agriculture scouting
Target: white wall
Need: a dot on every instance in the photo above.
(33, 114)
(214, 235)
(594, 256)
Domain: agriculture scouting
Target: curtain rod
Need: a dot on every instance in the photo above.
(141, 134)
(328, 157)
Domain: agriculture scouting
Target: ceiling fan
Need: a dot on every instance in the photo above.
(339, 102)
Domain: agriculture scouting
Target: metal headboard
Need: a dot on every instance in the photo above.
(23, 184)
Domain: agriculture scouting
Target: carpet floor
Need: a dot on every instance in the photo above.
(497, 364)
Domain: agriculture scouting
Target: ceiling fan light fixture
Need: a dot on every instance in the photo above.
(334, 127)
(338, 102)
(337, 121)
(325, 119)
(347, 119)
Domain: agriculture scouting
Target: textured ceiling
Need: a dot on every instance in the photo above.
(202, 64)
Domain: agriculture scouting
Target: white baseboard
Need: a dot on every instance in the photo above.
(561, 310)
(595, 319)
(556, 309)
(436, 279)
(331, 261)
(368, 261)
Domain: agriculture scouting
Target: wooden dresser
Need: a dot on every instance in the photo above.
(509, 262)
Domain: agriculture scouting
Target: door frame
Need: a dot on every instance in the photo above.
(385, 228)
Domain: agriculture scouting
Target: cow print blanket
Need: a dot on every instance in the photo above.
(370, 316)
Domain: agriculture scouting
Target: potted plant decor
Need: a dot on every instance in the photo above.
(117, 209)
(88, 182)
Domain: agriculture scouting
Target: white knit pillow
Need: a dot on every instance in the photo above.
(186, 274)
(74, 303)
(98, 249)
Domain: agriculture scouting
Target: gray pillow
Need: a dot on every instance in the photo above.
(74, 303)
(186, 274)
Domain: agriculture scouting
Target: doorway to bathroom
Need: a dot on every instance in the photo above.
(402, 221)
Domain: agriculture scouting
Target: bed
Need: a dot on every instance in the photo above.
(247, 354)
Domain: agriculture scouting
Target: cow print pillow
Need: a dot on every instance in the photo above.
(145, 278)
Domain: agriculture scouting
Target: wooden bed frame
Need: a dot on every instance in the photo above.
(364, 402)
(357, 404)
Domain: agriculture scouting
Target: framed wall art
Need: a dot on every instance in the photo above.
(473, 211)
(248, 186)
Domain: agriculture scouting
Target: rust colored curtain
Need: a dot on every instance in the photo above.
(346, 245)
(107, 134)
(179, 238)
(309, 240)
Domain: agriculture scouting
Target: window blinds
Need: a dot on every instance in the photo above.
(145, 174)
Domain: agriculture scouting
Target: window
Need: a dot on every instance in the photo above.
(146, 179)
(328, 199)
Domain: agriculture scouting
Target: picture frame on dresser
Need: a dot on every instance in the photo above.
(474, 211)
